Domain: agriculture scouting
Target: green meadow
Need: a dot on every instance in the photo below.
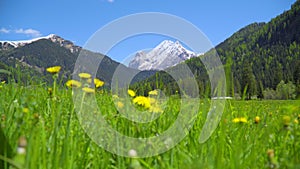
(40, 129)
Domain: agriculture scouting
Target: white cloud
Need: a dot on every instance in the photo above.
(111, 1)
(30, 32)
(4, 30)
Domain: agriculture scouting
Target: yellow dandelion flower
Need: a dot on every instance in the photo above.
(120, 105)
(131, 93)
(236, 120)
(98, 83)
(88, 90)
(142, 101)
(85, 75)
(54, 69)
(73, 83)
(25, 110)
(257, 119)
(240, 120)
(243, 120)
(153, 92)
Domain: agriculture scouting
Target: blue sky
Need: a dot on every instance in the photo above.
(79, 20)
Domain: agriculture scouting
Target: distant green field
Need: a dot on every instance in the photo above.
(251, 134)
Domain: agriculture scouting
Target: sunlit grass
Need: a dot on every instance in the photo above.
(270, 136)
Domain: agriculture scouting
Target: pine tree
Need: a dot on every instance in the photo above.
(248, 84)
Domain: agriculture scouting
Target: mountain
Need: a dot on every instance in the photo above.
(5, 45)
(166, 54)
(32, 57)
(257, 57)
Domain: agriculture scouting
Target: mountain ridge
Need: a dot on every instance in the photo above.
(34, 56)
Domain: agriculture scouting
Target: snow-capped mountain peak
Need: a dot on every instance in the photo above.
(54, 38)
(164, 55)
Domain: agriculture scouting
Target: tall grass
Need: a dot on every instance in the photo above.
(55, 138)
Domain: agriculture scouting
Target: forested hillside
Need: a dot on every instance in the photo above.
(256, 58)
(28, 63)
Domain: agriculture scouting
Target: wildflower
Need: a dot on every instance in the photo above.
(142, 101)
(257, 119)
(54, 69)
(286, 121)
(296, 121)
(73, 83)
(50, 91)
(236, 120)
(85, 75)
(120, 104)
(272, 160)
(88, 90)
(153, 92)
(240, 120)
(132, 153)
(131, 93)
(25, 110)
(22, 143)
(98, 83)
(243, 120)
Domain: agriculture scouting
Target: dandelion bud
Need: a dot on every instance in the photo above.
(286, 121)
(257, 119)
